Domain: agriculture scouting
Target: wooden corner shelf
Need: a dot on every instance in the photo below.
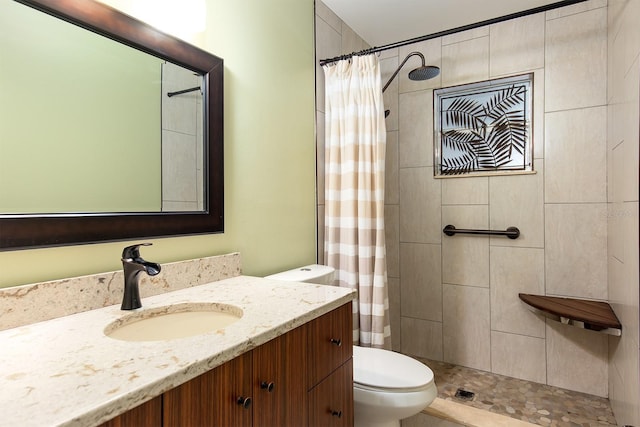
(592, 315)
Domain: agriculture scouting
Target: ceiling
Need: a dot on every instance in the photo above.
(382, 22)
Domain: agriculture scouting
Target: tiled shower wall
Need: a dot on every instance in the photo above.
(456, 298)
(622, 150)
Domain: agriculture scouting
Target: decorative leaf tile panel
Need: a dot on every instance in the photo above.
(484, 127)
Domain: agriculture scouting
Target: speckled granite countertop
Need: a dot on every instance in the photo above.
(65, 371)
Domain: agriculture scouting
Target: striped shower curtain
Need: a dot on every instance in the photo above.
(355, 142)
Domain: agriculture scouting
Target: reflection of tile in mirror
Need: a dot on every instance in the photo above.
(182, 140)
(180, 112)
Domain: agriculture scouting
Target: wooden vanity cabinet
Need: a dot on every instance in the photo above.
(148, 414)
(216, 398)
(279, 387)
(330, 374)
(301, 378)
(331, 401)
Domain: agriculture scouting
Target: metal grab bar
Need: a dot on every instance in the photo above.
(511, 232)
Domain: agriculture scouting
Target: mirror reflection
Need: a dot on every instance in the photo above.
(88, 125)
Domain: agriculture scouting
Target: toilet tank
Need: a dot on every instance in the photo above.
(314, 273)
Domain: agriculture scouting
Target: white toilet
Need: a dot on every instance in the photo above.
(387, 386)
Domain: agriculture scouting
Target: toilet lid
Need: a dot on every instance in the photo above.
(386, 369)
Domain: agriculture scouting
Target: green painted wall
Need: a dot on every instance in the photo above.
(81, 113)
(267, 47)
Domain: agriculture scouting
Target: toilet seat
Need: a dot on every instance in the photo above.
(383, 370)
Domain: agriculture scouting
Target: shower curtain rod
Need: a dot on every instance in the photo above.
(539, 9)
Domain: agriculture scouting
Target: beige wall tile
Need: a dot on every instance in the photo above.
(576, 250)
(624, 392)
(421, 287)
(420, 201)
(416, 129)
(624, 292)
(389, 53)
(518, 201)
(328, 16)
(615, 12)
(538, 115)
(615, 123)
(629, 35)
(392, 239)
(575, 156)
(614, 138)
(632, 249)
(465, 35)
(576, 61)
(465, 62)
(328, 44)
(627, 313)
(577, 359)
(466, 326)
(432, 51)
(623, 72)
(518, 356)
(422, 338)
(517, 45)
(465, 259)
(616, 173)
(576, 8)
(616, 233)
(631, 131)
(514, 271)
(351, 41)
(617, 293)
(616, 61)
(465, 191)
(391, 174)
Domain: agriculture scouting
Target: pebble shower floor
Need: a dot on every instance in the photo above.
(524, 400)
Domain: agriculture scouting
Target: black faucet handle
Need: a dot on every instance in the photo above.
(133, 252)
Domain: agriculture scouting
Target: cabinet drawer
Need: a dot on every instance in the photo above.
(331, 401)
(213, 398)
(330, 343)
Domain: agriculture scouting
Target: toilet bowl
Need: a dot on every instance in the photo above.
(387, 386)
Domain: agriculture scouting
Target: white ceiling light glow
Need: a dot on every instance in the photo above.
(181, 18)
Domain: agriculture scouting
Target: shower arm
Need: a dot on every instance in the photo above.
(400, 67)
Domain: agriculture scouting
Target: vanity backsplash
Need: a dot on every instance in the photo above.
(23, 305)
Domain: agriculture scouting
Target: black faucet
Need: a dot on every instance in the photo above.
(133, 265)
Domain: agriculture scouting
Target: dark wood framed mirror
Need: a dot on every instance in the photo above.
(23, 231)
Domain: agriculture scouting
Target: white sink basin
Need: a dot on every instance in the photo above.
(173, 321)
